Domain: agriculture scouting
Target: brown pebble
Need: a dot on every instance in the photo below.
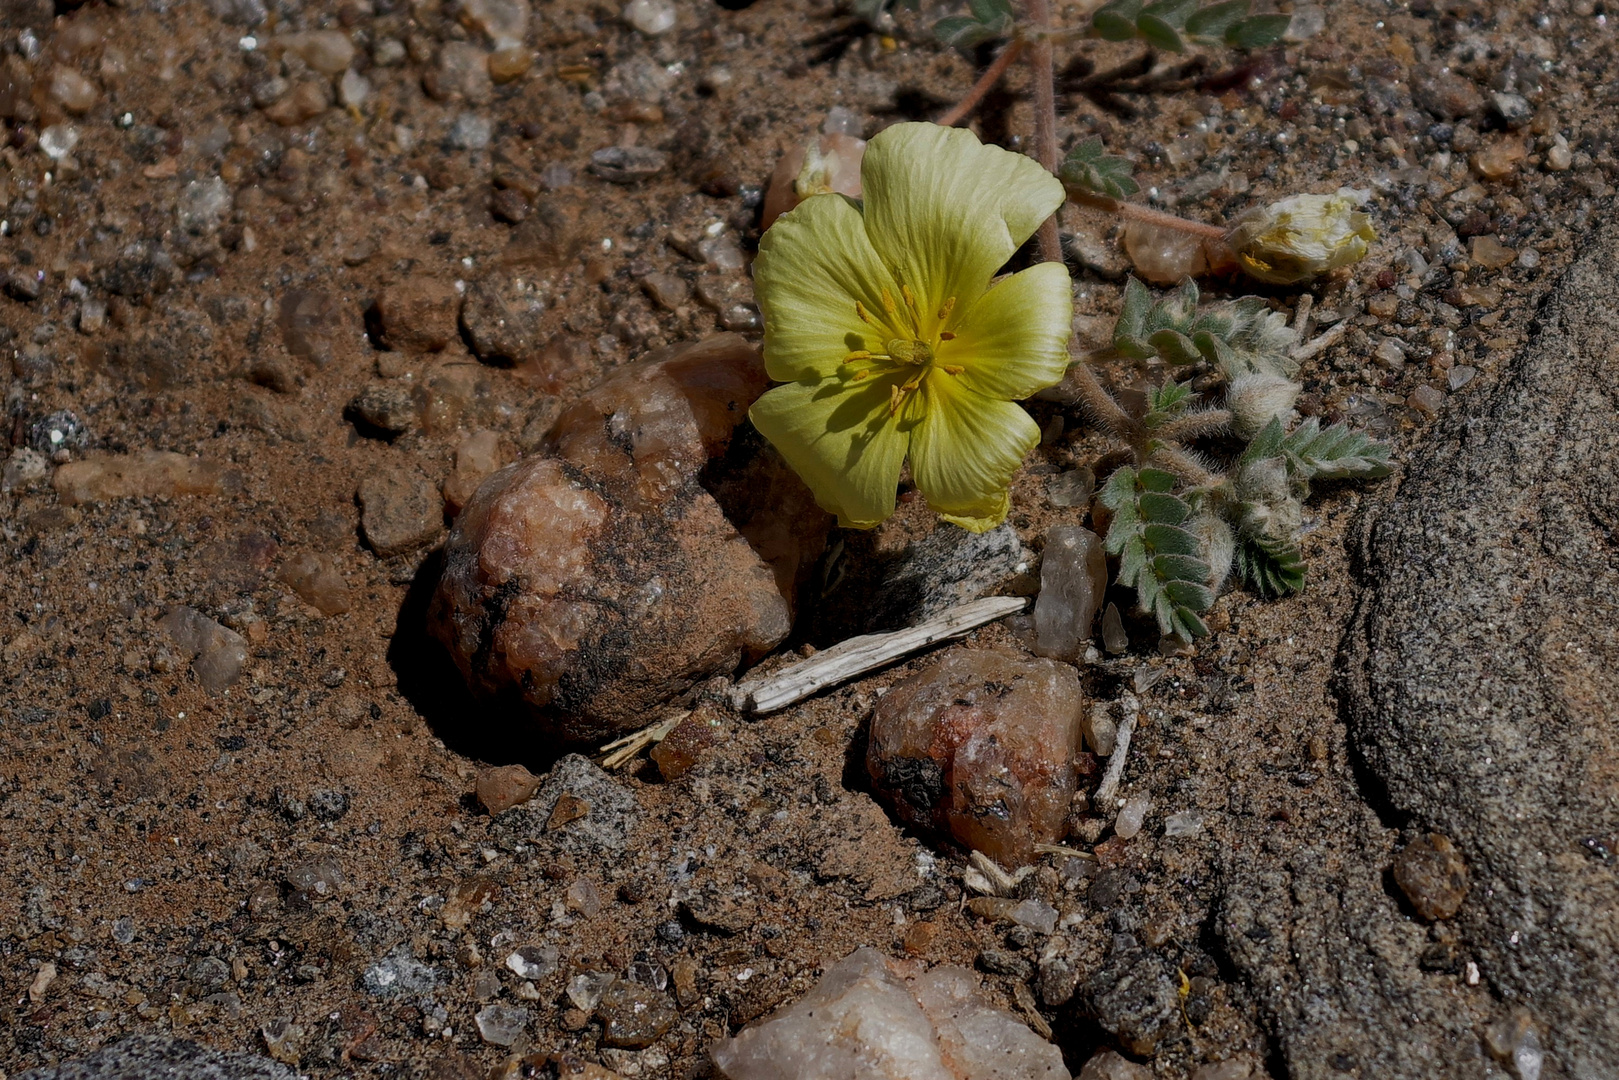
(418, 314)
(568, 808)
(317, 581)
(574, 1020)
(1489, 252)
(508, 64)
(1431, 873)
(920, 937)
(1500, 157)
(504, 786)
(685, 746)
(683, 974)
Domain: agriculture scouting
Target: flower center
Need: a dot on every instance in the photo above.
(909, 345)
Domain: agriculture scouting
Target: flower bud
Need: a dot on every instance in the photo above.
(1303, 236)
(1255, 398)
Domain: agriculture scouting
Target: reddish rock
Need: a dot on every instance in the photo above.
(505, 786)
(317, 580)
(599, 580)
(148, 474)
(418, 315)
(685, 746)
(1431, 873)
(981, 746)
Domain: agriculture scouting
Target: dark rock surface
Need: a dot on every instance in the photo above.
(1480, 677)
(156, 1057)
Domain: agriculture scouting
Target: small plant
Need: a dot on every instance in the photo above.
(1167, 24)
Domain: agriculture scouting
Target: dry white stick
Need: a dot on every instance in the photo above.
(1301, 318)
(1108, 789)
(634, 743)
(858, 655)
(1321, 343)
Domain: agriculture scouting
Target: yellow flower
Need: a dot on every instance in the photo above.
(1303, 236)
(881, 319)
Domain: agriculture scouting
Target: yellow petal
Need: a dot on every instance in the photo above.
(964, 451)
(1014, 341)
(945, 212)
(814, 264)
(841, 441)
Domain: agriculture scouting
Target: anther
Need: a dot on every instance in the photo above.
(860, 310)
(888, 302)
(952, 369)
(944, 312)
(945, 335)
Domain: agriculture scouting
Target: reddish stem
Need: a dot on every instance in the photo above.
(1146, 214)
(988, 79)
(1045, 117)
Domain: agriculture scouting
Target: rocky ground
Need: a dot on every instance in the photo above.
(281, 285)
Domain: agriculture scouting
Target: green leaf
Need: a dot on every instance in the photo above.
(1258, 31)
(1159, 34)
(962, 32)
(1168, 400)
(1164, 563)
(1171, 12)
(1133, 315)
(1088, 166)
(1267, 444)
(1271, 569)
(1212, 22)
(990, 12)
(1116, 21)
(1337, 453)
(1175, 347)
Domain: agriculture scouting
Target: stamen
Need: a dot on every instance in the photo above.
(888, 302)
(944, 312)
(864, 373)
(952, 369)
(860, 310)
(858, 354)
(895, 396)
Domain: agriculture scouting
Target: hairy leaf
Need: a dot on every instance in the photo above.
(1237, 337)
(1271, 569)
(1258, 31)
(1158, 558)
(1212, 22)
(1088, 166)
(1336, 453)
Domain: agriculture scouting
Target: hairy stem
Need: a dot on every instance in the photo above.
(1045, 116)
(1182, 464)
(1195, 425)
(1106, 412)
(1138, 212)
(986, 81)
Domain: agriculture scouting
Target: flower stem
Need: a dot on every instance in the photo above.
(1146, 214)
(986, 81)
(1045, 116)
(1106, 412)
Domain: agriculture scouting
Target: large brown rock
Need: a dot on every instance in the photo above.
(600, 579)
(981, 746)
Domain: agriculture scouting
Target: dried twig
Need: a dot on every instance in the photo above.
(868, 652)
(1321, 343)
(1108, 789)
(630, 745)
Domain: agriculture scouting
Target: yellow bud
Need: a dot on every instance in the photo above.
(1303, 236)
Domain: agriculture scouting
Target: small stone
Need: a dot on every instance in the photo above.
(1135, 996)
(58, 140)
(353, 89)
(203, 205)
(476, 457)
(585, 990)
(1230, 1069)
(1131, 817)
(400, 511)
(583, 897)
(685, 746)
(628, 164)
(315, 882)
(282, 1038)
(327, 51)
(506, 65)
(1073, 579)
(1513, 110)
(1489, 252)
(501, 1025)
(1448, 96)
(418, 314)
(23, 469)
(1560, 158)
(328, 805)
(1460, 375)
(504, 21)
(1164, 256)
(1426, 399)
(218, 654)
(1431, 873)
(634, 1016)
(1113, 636)
(1185, 823)
(609, 812)
(650, 17)
(980, 745)
(1499, 157)
(60, 430)
(533, 962)
(1111, 1065)
(307, 100)
(470, 131)
(72, 91)
(317, 580)
(1390, 354)
(865, 1020)
(1100, 729)
(384, 409)
(462, 74)
(144, 475)
(23, 286)
(1072, 487)
(666, 290)
(310, 321)
(504, 786)
(1512, 1041)
(504, 321)
(399, 975)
